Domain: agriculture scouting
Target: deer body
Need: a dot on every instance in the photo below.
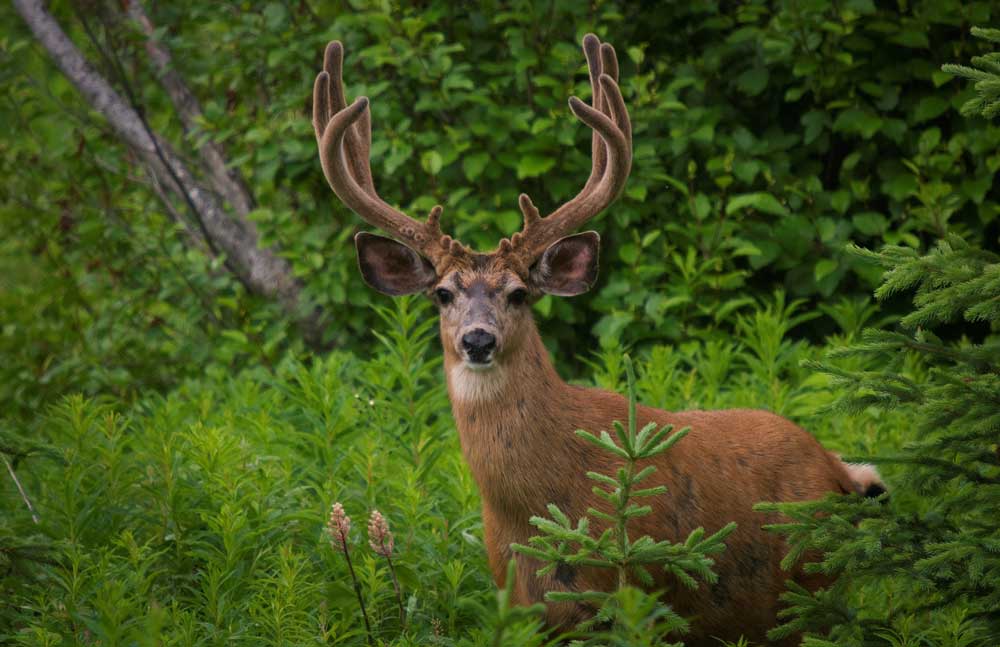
(516, 417)
(517, 435)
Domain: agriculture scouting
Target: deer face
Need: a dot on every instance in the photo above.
(484, 299)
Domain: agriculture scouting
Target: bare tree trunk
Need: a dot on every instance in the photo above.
(228, 182)
(261, 270)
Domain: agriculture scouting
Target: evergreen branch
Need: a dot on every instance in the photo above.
(558, 542)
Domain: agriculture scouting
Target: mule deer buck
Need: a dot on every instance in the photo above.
(516, 418)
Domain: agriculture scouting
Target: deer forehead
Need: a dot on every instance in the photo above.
(485, 281)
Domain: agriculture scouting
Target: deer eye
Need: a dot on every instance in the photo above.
(517, 297)
(444, 296)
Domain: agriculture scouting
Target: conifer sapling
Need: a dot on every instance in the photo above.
(560, 542)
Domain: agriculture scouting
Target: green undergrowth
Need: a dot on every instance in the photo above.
(197, 517)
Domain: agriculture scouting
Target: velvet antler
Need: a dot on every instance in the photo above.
(611, 153)
(344, 135)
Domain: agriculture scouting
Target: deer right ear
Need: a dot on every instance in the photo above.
(392, 268)
(569, 266)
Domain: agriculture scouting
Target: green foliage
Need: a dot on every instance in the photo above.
(508, 624)
(201, 513)
(766, 137)
(635, 619)
(180, 448)
(560, 542)
(198, 516)
(932, 549)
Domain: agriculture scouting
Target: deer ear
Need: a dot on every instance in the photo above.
(392, 268)
(569, 266)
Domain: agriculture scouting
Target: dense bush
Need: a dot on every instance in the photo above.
(766, 137)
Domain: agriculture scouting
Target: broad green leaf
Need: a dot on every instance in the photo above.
(629, 253)
(859, 121)
(474, 164)
(760, 201)
(869, 223)
(533, 165)
(929, 107)
(431, 162)
(823, 268)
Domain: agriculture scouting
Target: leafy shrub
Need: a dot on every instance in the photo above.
(767, 136)
(199, 515)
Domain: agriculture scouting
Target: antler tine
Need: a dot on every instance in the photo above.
(358, 139)
(611, 153)
(595, 66)
(343, 133)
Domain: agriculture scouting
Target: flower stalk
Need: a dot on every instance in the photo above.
(339, 527)
(381, 541)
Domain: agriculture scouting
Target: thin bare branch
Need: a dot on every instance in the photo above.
(227, 182)
(20, 488)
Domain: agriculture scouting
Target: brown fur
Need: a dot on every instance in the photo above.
(517, 434)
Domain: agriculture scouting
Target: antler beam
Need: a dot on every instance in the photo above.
(611, 153)
(344, 135)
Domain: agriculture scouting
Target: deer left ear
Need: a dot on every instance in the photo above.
(392, 268)
(569, 266)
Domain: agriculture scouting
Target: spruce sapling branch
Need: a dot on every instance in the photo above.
(559, 542)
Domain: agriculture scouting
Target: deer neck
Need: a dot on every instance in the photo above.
(509, 419)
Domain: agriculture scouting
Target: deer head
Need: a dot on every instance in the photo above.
(484, 298)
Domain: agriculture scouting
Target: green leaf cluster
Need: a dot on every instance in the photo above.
(767, 136)
(198, 516)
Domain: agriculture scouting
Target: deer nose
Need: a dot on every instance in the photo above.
(478, 344)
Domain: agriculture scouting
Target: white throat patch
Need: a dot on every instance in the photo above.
(472, 385)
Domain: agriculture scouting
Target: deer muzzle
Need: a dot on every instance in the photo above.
(478, 346)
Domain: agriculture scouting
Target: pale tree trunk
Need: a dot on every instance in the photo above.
(227, 182)
(261, 270)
